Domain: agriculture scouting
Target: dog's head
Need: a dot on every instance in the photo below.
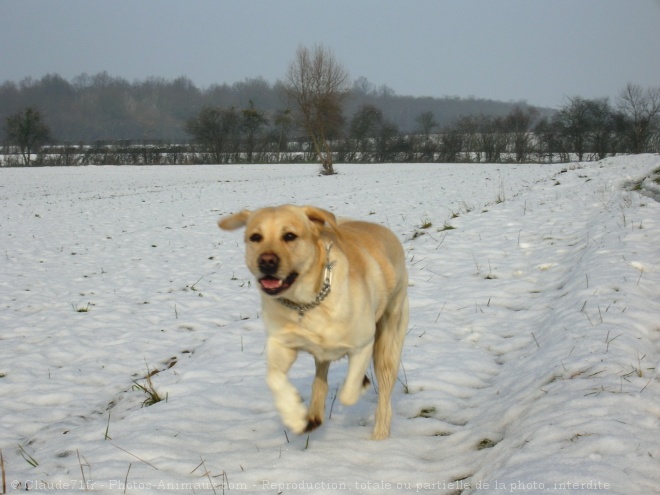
(282, 244)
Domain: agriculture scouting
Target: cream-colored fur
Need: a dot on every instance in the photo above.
(365, 314)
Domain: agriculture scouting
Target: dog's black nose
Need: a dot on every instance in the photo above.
(268, 263)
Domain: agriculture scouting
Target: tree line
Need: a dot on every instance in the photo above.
(100, 107)
(313, 114)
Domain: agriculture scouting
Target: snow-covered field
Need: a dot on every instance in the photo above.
(531, 364)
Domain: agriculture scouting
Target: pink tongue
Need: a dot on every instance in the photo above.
(270, 283)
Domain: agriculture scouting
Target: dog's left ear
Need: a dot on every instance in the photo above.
(320, 217)
(235, 221)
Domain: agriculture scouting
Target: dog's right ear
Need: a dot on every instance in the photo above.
(320, 217)
(235, 221)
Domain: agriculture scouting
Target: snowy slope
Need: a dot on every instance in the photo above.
(531, 365)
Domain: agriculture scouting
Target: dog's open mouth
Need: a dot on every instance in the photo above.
(273, 285)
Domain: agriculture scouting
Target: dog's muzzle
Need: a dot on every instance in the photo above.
(269, 264)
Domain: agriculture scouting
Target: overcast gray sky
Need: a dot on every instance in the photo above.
(532, 50)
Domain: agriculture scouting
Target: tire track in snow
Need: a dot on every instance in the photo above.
(535, 272)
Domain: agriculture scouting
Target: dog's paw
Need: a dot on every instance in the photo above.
(380, 433)
(313, 423)
(295, 418)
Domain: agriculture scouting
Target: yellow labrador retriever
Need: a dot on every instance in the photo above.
(333, 289)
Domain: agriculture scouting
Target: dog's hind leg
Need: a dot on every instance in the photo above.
(319, 393)
(355, 383)
(390, 334)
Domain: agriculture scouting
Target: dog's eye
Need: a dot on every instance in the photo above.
(289, 236)
(256, 238)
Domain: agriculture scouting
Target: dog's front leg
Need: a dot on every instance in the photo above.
(287, 399)
(356, 382)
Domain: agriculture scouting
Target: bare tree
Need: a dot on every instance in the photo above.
(452, 141)
(604, 138)
(217, 131)
(463, 135)
(28, 131)
(575, 123)
(491, 138)
(389, 143)
(279, 135)
(318, 84)
(365, 125)
(639, 108)
(252, 120)
(518, 125)
(426, 123)
(548, 139)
